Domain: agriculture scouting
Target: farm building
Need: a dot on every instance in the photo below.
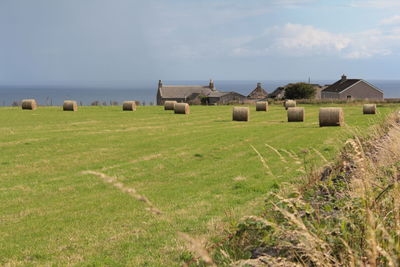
(195, 93)
(258, 93)
(225, 98)
(279, 92)
(351, 89)
(182, 93)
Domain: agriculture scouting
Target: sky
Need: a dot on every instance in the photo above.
(123, 41)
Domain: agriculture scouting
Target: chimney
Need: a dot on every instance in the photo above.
(344, 78)
(212, 85)
(258, 85)
(160, 84)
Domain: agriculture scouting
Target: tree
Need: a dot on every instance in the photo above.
(300, 91)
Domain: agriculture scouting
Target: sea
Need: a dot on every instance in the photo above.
(144, 91)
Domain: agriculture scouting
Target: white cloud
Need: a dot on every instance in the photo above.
(296, 40)
(222, 11)
(204, 29)
(370, 43)
(292, 40)
(306, 39)
(365, 52)
(292, 3)
(391, 21)
(376, 3)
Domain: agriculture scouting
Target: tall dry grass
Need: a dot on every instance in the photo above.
(348, 214)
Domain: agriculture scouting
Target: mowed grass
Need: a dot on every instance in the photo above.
(200, 170)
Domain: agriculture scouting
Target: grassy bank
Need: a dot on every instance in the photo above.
(347, 214)
(106, 187)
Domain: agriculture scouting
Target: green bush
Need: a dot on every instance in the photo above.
(300, 91)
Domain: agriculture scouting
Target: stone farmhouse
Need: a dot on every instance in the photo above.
(222, 98)
(351, 89)
(195, 94)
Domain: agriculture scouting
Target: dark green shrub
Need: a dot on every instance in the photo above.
(300, 91)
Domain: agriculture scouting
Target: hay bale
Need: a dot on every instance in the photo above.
(29, 104)
(241, 114)
(181, 108)
(262, 106)
(290, 104)
(70, 105)
(331, 117)
(169, 105)
(129, 106)
(397, 117)
(295, 114)
(369, 109)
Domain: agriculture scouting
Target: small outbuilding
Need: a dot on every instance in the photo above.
(223, 98)
(258, 93)
(351, 89)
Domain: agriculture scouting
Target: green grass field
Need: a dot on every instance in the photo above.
(202, 171)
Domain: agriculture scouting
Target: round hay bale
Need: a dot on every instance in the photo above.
(181, 108)
(129, 106)
(397, 117)
(241, 114)
(295, 114)
(369, 109)
(169, 105)
(331, 117)
(262, 106)
(29, 104)
(290, 104)
(70, 105)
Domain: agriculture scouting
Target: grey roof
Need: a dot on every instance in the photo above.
(277, 92)
(220, 94)
(259, 92)
(183, 91)
(341, 85)
(217, 94)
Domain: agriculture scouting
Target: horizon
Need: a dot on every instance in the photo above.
(146, 91)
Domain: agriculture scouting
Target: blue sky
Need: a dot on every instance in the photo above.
(85, 41)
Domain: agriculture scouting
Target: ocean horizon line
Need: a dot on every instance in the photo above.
(146, 92)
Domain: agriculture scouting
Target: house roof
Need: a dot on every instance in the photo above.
(341, 85)
(220, 94)
(183, 91)
(276, 92)
(259, 92)
(217, 94)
